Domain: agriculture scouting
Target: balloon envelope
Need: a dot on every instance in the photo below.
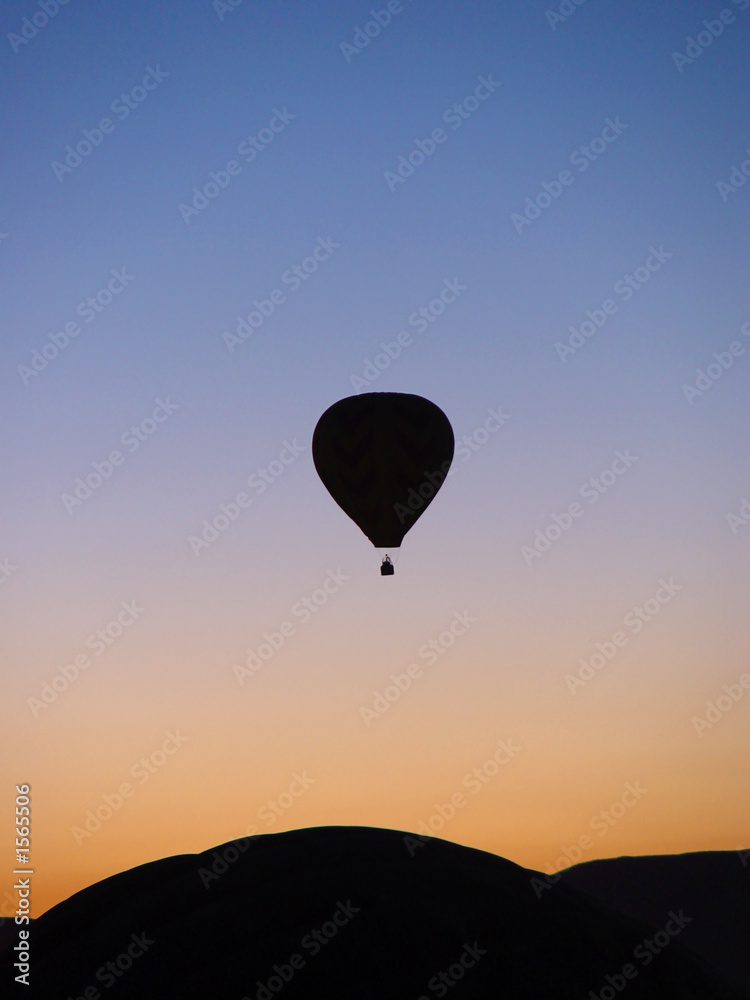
(383, 456)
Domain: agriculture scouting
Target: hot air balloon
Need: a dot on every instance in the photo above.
(383, 456)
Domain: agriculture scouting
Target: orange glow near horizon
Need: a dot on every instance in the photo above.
(573, 779)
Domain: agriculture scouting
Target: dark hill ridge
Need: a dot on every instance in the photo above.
(345, 913)
(713, 887)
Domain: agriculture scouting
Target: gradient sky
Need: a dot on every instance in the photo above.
(223, 76)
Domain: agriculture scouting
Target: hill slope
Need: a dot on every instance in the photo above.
(713, 888)
(344, 912)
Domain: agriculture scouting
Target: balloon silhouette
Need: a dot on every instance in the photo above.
(383, 456)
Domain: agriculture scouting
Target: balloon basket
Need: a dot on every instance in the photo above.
(389, 559)
(386, 567)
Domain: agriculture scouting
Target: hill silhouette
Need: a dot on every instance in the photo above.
(353, 913)
(713, 887)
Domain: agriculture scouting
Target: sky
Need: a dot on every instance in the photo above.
(219, 219)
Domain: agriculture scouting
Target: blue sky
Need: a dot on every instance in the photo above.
(201, 81)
